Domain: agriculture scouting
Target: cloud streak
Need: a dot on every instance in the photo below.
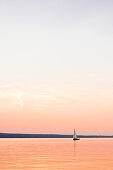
(15, 96)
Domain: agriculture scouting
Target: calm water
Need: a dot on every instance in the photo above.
(51, 154)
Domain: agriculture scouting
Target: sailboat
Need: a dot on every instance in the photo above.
(75, 136)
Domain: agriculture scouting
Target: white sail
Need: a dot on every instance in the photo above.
(74, 135)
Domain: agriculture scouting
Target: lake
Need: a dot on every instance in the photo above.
(53, 154)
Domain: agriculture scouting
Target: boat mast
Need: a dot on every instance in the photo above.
(74, 136)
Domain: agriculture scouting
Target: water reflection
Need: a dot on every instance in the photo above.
(74, 145)
(53, 154)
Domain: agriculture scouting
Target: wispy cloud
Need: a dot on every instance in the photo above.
(52, 95)
(15, 96)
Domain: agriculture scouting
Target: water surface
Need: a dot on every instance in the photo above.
(52, 154)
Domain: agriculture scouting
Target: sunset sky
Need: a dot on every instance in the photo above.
(56, 66)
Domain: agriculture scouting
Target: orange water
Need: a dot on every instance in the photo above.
(51, 154)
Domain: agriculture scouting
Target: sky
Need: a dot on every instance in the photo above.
(56, 70)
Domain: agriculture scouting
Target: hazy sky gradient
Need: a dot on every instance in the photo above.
(56, 66)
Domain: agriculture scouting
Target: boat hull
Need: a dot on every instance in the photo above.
(76, 138)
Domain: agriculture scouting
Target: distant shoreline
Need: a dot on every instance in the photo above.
(18, 135)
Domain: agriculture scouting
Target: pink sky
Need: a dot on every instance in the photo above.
(56, 66)
(56, 110)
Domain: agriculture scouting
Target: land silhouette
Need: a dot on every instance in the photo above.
(20, 135)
